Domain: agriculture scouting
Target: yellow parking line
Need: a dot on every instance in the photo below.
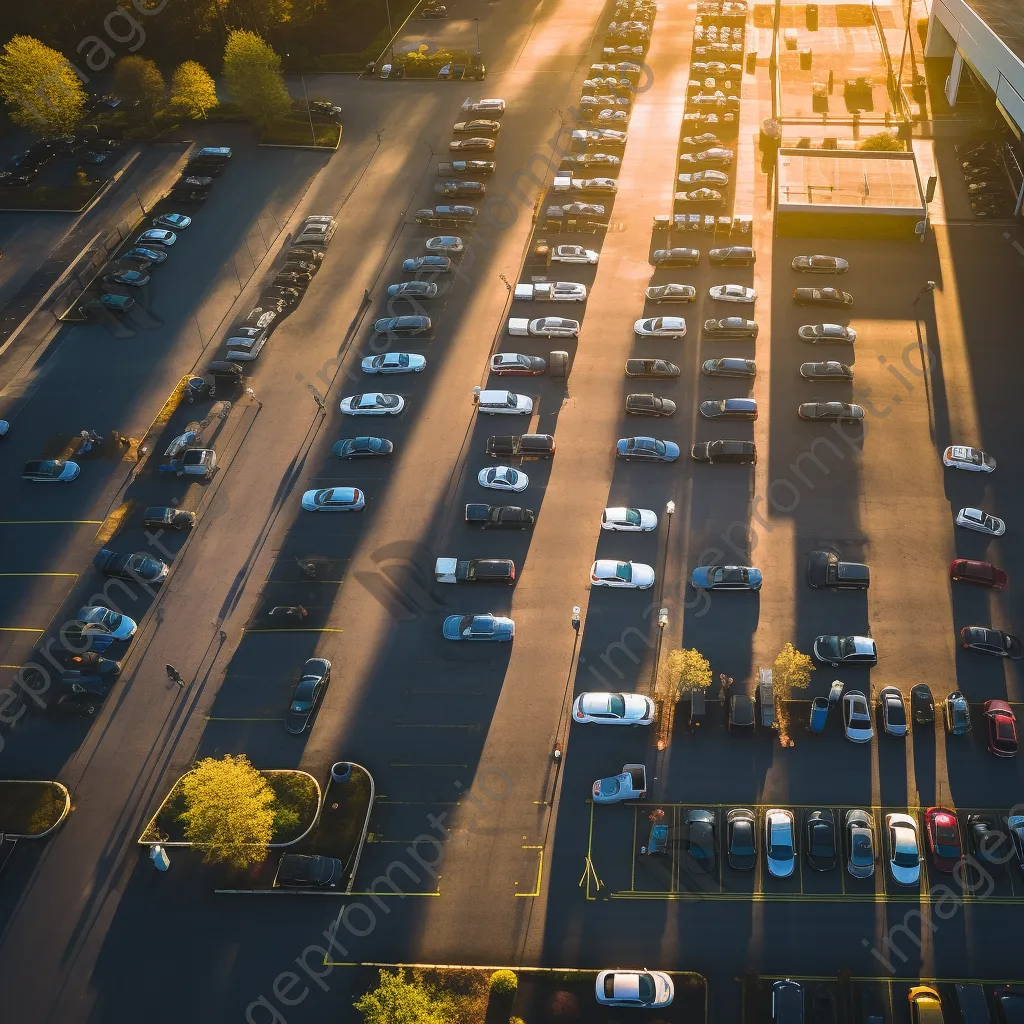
(396, 764)
(50, 522)
(13, 574)
(19, 629)
(540, 872)
(304, 629)
(212, 718)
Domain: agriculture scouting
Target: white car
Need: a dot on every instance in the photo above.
(613, 709)
(119, 626)
(780, 842)
(373, 404)
(974, 460)
(857, 722)
(975, 519)
(544, 327)
(156, 236)
(816, 333)
(394, 362)
(660, 327)
(732, 293)
(477, 125)
(494, 403)
(670, 293)
(904, 849)
(607, 572)
(632, 520)
(334, 499)
(608, 186)
(644, 989)
(444, 244)
(573, 254)
(494, 108)
(503, 478)
(704, 178)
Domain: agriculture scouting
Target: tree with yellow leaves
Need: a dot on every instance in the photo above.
(791, 671)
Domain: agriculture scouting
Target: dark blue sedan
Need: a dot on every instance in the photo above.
(648, 449)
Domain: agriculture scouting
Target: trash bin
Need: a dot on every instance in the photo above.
(812, 17)
(341, 771)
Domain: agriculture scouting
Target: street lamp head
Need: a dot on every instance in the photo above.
(929, 285)
(662, 618)
(670, 508)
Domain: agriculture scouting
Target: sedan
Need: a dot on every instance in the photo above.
(479, 124)
(829, 371)
(922, 704)
(704, 178)
(822, 297)
(362, 448)
(729, 409)
(741, 839)
(607, 572)
(573, 254)
(732, 255)
(444, 244)
(974, 460)
(132, 278)
(732, 293)
(943, 835)
(651, 368)
(699, 842)
(373, 404)
(716, 156)
(161, 517)
(820, 265)
(820, 840)
(470, 145)
(503, 478)
(308, 693)
(992, 641)
(780, 842)
(174, 221)
(859, 829)
(827, 334)
(698, 141)
(986, 839)
(334, 499)
(404, 326)
(1002, 728)
(1015, 826)
(394, 362)
(958, 714)
(515, 364)
(725, 577)
(647, 449)
(50, 471)
(613, 709)
(983, 574)
(478, 627)
(629, 520)
(670, 293)
(894, 711)
(606, 186)
(731, 327)
(730, 366)
(156, 236)
(413, 290)
(857, 723)
(981, 522)
(141, 255)
(606, 160)
(678, 257)
(583, 210)
(645, 989)
(660, 327)
(138, 566)
(471, 189)
(845, 650)
(433, 264)
(119, 626)
(903, 849)
(649, 405)
(700, 195)
(833, 412)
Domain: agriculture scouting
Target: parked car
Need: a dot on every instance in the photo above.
(832, 412)
(787, 1002)
(982, 574)
(677, 257)
(903, 849)
(646, 449)
(699, 841)
(1002, 728)
(987, 839)
(573, 254)
(726, 577)
(362, 448)
(743, 453)
(670, 293)
(780, 842)
(741, 839)
(980, 522)
(156, 236)
(308, 871)
(372, 404)
(859, 830)
(991, 641)
(729, 409)
(649, 405)
(629, 520)
(731, 327)
(173, 221)
(516, 364)
(820, 265)
(629, 784)
(845, 650)
(307, 695)
(334, 499)
(732, 293)
(431, 264)
(496, 628)
(413, 290)
(957, 714)
(394, 362)
(943, 834)
(50, 471)
(613, 709)
(832, 297)
(607, 572)
(827, 334)
(820, 839)
(645, 989)
(409, 326)
(974, 460)
(660, 327)
(119, 626)
(857, 724)
(476, 144)
(444, 244)
(139, 566)
(651, 368)
(162, 517)
(140, 254)
(827, 371)
(729, 366)
(894, 711)
(826, 569)
(922, 705)
(132, 278)
(503, 478)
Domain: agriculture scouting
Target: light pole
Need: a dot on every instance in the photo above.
(477, 20)
(929, 286)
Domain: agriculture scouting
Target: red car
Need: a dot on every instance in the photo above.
(1002, 728)
(943, 838)
(984, 574)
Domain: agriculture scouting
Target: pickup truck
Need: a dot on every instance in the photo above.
(458, 168)
(557, 291)
(500, 517)
(527, 446)
(475, 570)
(631, 784)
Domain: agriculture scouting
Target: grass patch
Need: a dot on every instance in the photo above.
(294, 130)
(295, 808)
(30, 808)
(46, 197)
(341, 819)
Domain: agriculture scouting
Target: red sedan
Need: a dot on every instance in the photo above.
(1002, 728)
(943, 838)
(984, 574)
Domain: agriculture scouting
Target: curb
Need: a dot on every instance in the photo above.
(58, 822)
(366, 828)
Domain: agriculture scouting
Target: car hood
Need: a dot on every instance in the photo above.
(643, 575)
(295, 721)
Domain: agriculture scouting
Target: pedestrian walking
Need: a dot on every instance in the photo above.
(175, 676)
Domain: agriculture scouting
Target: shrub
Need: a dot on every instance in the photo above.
(504, 983)
(882, 142)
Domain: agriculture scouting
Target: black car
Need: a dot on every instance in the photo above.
(699, 841)
(729, 409)
(992, 641)
(743, 453)
(460, 188)
(733, 256)
(678, 257)
(362, 447)
(741, 829)
(730, 366)
(922, 705)
(308, 693)
(825, 569)
(832, 412)
(827, 371)
(651, 368)
(427, 264)
(731, 327)
(649, 405)
(94, 684)
(845, 650)
(187, 196)
(831, 297)
(138, 566)
(409, 326)
(161, 517)
(741, 713)
(987, 840)
(787, 1002)
(820, 839)
(309, 871)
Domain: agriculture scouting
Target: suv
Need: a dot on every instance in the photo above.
(733, 256)
(737, 452)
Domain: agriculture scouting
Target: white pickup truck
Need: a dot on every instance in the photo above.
(547, 291)
(631, 784)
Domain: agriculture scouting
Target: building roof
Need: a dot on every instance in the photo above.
(837, 178)
(1005, 18)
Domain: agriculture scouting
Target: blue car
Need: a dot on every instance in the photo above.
(648, 449)
(119, 303)
(726, 577)
(478, 627)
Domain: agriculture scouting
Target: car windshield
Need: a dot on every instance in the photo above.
(905, 854)
(659, 447)
(861, 853)
(617, 705)
(632, 516)
(742, 839)
(646, 988)
(623, 571)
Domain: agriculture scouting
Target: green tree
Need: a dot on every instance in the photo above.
(229, 811)
(40, 87)
(687, 670)
(192, 89)
(397, 1000)
(882, 142)
(252, 72)
(138, 80)
(791, 671)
